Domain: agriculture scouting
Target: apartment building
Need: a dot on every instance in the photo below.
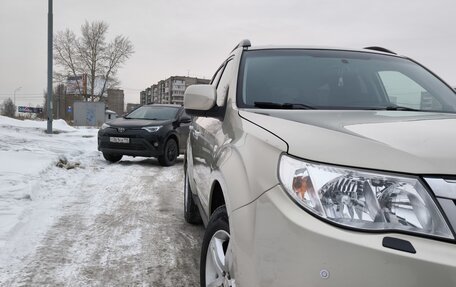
(169, 91)
(131, 107)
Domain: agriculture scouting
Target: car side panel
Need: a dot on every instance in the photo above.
(239, 156)
(249, 161)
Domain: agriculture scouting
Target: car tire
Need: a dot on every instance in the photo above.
(191, 212)
(170, 153)
(112, 157)
(216, 255)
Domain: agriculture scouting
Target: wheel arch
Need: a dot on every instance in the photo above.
(217, 197)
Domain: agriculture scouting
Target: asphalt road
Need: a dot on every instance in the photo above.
(123, 230)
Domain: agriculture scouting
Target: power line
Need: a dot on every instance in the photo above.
(21, 94)
(29, 97)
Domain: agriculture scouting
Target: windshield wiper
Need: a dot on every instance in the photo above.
(394, 108)
(150, 119)
(272, 105)
(400, 108)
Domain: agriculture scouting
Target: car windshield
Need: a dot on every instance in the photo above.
(153, 113)
(331, 79)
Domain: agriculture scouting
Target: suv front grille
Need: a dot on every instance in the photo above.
(131, 133)
(445, 191)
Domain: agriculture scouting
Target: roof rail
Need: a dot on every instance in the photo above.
(244, 43)
(380, 49)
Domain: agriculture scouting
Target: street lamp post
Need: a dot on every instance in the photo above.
(49, 80)
(14, 95)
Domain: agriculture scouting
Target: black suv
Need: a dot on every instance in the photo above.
(151, 131)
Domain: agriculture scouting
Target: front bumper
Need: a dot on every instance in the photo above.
(142, 143)
(279, 244)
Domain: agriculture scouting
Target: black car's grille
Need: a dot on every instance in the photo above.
(127, 133)
(123, 135)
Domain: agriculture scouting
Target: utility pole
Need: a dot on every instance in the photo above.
(49, 80)
(14, 94)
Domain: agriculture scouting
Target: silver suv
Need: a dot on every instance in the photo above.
(323, 167)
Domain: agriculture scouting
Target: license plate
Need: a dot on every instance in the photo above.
(119, 140)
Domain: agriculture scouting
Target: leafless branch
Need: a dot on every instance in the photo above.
(92, 55)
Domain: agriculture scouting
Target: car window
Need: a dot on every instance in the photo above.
(153, 113)
(330, 79)
(404, 91)
(223, 84)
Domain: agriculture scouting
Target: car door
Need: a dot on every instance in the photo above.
(183, 127)
(204, 138)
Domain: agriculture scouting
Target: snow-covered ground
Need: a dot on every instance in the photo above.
(87, 222)
(32, 187)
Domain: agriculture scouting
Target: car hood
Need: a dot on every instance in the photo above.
(136, 123)
(409, 142)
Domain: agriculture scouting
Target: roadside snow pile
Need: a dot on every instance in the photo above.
(57, 125)
(36, 171)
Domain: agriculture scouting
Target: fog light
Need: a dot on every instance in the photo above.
(155, 144)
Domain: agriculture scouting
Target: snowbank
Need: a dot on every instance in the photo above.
(33, 189)
(57, 125)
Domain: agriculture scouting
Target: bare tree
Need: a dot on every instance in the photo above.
(8, 108)
(116, 54)
(66, 55)
(90, 54)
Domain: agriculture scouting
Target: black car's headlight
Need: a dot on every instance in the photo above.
(152, 129)
(104, 126)
(362, 199)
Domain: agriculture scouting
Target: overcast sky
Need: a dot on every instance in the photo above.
(180, 37)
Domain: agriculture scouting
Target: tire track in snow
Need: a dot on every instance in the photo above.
(123, 231)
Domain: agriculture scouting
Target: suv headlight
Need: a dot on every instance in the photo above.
(104, 126)
(152, 129)
(362, 199)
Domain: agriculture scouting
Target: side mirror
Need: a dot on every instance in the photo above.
(185, 120)
(199, 99)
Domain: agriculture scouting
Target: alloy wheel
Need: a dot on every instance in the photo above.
(219, 261)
